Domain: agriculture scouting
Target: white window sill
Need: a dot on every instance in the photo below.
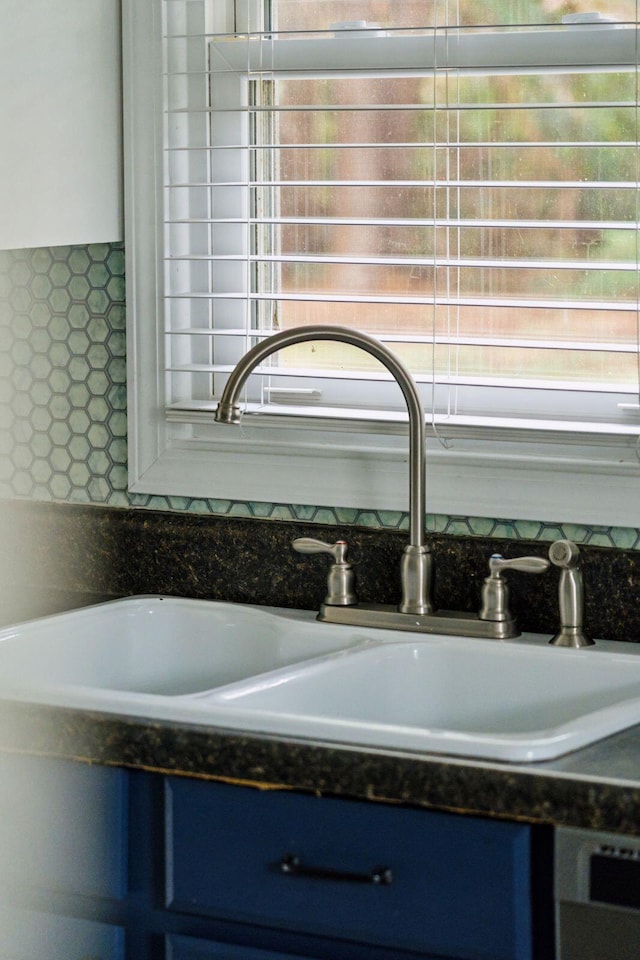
(567, 483)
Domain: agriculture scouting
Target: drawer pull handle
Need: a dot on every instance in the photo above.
(293, 866)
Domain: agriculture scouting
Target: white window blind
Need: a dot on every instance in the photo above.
(467, 194)
(458, 178)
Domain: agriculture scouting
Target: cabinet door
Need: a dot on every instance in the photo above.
(456, 886)
(34, 935)
(62, 827)
(60, 116)
(193, 948)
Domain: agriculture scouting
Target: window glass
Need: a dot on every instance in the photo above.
(503, 198)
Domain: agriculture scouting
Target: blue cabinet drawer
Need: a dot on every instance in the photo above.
(459, 886)
(63, 826)
(31, 935)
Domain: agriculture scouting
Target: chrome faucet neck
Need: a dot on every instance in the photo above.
(416, 570)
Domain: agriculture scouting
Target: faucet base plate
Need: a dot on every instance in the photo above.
(448, 622)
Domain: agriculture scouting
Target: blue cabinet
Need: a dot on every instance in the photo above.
(29, 934)
(426, 882)
(192, 948)
(63, 850)
(63, 826)
(125, 865)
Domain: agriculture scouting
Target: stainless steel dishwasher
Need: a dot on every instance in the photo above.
(597, 895)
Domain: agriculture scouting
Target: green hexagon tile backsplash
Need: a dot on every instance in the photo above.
(63, 401)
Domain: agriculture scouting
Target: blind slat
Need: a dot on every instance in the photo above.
(417, 222)
(392, 339)
(438, 300)
(373, 376)
(585, 266)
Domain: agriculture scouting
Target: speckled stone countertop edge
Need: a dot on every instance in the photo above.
(557, 793)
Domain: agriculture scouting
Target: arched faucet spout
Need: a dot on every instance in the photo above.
(416, 568)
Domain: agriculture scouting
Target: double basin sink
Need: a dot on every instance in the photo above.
(279, 672)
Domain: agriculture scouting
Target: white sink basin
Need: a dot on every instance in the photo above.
(260, 669)
(158, 646)
(520, 700)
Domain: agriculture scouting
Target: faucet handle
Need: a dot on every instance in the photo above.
(495, 592)
(337, 550)
(497, 564)
(341, 580)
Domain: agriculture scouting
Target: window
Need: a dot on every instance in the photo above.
(463, 183)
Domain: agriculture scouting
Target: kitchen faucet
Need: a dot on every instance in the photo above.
(416, 570)
(415, 610)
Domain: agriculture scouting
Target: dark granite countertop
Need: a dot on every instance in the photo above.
(597, 787)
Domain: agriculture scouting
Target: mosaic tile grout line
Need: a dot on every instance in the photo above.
(63, 426)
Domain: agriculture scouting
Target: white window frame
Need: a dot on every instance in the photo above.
(555, 476)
